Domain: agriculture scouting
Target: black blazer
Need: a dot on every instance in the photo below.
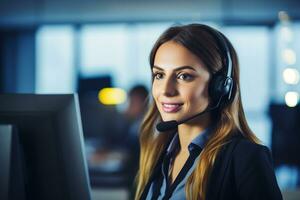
(242, 171)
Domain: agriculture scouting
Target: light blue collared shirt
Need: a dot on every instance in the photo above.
(179, 191)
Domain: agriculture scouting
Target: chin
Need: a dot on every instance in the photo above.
(170, 117)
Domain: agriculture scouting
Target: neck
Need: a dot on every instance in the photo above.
(190, 130)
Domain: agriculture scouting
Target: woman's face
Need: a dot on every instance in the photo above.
(180, 82)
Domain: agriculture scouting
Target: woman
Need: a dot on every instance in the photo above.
(206, 150)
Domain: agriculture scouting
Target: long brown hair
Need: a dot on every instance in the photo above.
(229, 119)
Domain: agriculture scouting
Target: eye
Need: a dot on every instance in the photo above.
(185, 77)
(157, 75)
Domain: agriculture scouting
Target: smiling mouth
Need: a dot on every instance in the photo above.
(171, 108)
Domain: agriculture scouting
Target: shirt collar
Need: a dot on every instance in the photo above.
(198, 141)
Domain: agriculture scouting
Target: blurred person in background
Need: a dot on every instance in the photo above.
(137, 104)
(195, 140)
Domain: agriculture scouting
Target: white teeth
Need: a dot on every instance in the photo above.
(171, 105)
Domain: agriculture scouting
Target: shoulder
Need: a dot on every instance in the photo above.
(244, 168)
(251, 161)
(253, 171)
(245, 149)
(243, 154)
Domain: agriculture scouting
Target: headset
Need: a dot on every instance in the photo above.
(221, 85)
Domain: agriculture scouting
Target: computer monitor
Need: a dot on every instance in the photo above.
(11, 177)
(51, 148)
(5, 144)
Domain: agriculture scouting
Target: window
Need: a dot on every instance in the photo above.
(55, 69)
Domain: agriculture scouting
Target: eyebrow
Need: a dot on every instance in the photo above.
(176, 69)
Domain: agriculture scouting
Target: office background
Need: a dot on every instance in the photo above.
(84, 46)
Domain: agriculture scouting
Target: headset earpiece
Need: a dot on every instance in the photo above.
(221, 83)
(220, 89)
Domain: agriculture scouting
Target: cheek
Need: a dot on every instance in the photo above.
(154, 92)
(196, 96)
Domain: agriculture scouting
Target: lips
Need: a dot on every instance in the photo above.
(171, 107)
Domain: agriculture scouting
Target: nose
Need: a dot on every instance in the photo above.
(169, 87)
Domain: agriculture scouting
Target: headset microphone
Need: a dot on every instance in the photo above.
(171, 125)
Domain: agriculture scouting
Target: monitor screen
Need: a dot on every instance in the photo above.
(50, 143)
